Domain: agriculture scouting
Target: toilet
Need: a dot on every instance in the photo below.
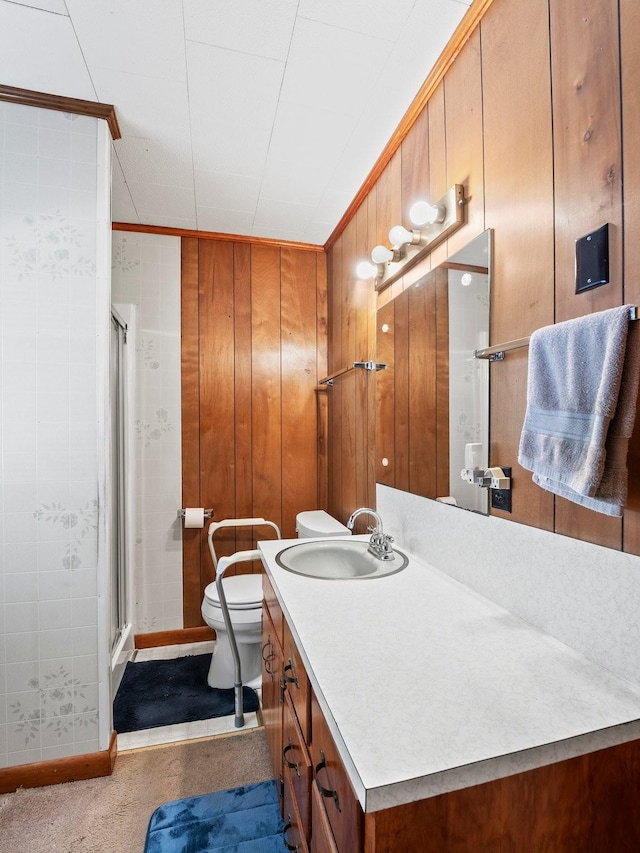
(244, 600)
(317, 523)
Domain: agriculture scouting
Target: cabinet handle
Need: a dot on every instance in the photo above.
(287, 827)
(326, 792)
(292, 765)
(268, 658)
(288, 678)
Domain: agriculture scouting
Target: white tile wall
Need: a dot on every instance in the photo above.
(50, 667)
(146, 273)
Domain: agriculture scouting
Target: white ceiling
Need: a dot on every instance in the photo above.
(253, 117)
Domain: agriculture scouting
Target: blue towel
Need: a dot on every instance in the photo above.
(581, 400)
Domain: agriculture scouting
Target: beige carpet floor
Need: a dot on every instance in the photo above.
(110, 814)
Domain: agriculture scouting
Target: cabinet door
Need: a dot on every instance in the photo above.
(294, 834)
(273, 605)
(322, 840)
(296, 766)
(330, 777)
(297, 683)
(272, 691)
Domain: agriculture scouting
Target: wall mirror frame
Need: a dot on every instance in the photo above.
(433, 398)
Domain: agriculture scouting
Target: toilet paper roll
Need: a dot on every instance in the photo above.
(194, 516)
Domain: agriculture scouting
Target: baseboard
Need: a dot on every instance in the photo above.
(174, 638)
(59, 770)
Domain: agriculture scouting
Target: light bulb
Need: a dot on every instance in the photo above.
(466, 279)
(399, 235)
(423, 213)
(381, 255)
(366, 269)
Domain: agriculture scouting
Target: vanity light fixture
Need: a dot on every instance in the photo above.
(434, 223)
(383, 255)
(366, 269)
(425, 213)
(399, 236)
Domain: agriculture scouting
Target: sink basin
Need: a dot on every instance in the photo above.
(338, 559)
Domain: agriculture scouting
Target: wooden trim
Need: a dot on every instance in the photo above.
(214, 235)
(177, 637)
(59, 770)
(46, 101)
(463, 32)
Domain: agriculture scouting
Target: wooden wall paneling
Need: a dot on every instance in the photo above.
(299, 356)
(422, 388)
(630, 81)
(365, 348)
(387, 405)
(437, 161)
(334, 393)
(518, 174)
(587, 151)
(192, 539)
(402, 460)
(322, 397)
(463, 122)
(415, 165)
(442, 382)
(266, 383)
(242, 391)
(350, 383)
(388, 201)
(588, 182)
(217, 393)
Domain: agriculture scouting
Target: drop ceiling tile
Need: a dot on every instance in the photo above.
(173, 202)
(218, 146)
(122, 207)
(279, 234)
(235, 88)
(318, 233)
(40, 51)
(56, 6)
(145, 37)
(333, 69)
(299, 179)
(246, 26)
(309, 132)
(154, 160)
(232, 192)
(282, 215)
(224, 221)
(175, 222)
(372, 17)
(143, 107)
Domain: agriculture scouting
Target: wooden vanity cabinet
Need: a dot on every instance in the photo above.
(272, 679)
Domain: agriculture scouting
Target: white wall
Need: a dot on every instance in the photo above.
(54, 215)
(586, 596)
(146, 274)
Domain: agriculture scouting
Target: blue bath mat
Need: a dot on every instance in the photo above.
(240, 820)
(163, 692)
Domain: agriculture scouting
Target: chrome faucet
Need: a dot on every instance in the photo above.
(379, 543)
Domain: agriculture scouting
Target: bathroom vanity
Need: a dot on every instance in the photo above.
(409, 713)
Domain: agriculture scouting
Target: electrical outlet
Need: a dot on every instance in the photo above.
(501, 498)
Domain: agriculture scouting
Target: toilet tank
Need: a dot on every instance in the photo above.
(317, 522)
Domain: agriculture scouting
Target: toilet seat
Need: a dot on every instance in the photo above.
(243, 592)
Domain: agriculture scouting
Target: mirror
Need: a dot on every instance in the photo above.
(433, 396)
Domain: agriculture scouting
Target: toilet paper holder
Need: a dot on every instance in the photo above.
(207, 513)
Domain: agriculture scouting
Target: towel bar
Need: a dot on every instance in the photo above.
(496, 353)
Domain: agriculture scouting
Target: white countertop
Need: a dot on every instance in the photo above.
(428, 687)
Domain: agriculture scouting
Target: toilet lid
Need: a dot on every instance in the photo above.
(241, 591)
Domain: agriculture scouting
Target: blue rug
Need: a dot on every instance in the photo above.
(241, 820)
(163, 692)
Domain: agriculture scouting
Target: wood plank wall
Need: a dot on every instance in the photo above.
(538, 117)
(253, 349)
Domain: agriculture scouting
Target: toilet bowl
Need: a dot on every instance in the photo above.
(244, 600)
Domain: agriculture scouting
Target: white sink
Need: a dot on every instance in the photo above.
(338, 559)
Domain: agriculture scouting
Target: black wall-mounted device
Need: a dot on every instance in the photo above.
(592, 259)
